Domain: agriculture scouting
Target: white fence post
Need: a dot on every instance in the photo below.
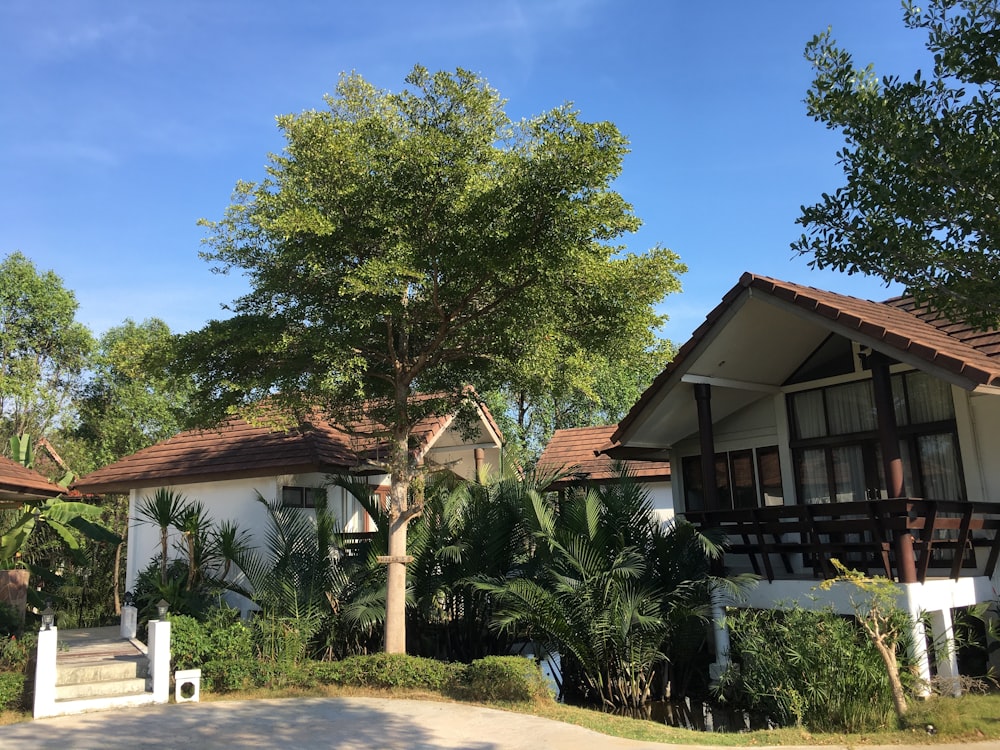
(45, 673)
(159, 659)
(129, 622)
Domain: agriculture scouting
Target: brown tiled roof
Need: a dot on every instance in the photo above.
(898, 325)
(576, 450)
(15, 478)
(235, 449)
(241, 449)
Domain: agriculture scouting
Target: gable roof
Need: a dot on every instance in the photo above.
(579, 450)
(239, 449)
(899, 328)
(19, 483)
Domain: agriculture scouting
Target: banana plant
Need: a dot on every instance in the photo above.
(64, 517)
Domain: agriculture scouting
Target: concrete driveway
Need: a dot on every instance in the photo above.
(307, 723)
(314, 723)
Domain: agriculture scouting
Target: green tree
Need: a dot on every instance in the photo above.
(580, 389)
(43, 349)
(130, 401)
(921, 161)
(417, 243)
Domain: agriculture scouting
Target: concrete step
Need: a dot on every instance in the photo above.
(81, 671)
(103, 689)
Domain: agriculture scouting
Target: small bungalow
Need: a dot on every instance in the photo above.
(579, 454)
(19, 484)
(813, 426)
(227, 467)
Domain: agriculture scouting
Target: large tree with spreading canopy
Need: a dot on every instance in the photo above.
(921, 203)
(421, 242)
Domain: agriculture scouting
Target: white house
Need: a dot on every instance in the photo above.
(225, 468)
(814, 426)
(578, 452)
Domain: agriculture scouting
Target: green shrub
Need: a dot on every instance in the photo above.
(388, 671)
(11, 690)
(221, 647)
(502, 678)
(15, 652)
(806, 667)
(11, 621)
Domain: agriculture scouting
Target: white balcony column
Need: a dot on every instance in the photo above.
(720, 631)
(919, 655)
(943, 632)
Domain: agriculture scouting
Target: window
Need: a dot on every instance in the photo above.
(302, 497)
(744, 479)
(835, 446)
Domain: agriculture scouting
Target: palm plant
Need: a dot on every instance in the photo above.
(163, 510)
(468, 532)
(228, 544)
(194, 524)
(304, 580)
(597, 588)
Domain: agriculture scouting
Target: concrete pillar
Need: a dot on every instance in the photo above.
(720, 631)
(918, 653)
(943, 632)
(159, 659)
(129, 621)
(45, 673)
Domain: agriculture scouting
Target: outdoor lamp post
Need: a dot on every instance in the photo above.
(161, 608)
(48, 618)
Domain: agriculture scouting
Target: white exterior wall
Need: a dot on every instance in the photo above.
(663, 500)
(236, 500)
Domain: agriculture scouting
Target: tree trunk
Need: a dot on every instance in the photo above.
(395, 595)
(399, 518)
(888, 654)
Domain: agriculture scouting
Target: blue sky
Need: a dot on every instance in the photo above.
(123, 123)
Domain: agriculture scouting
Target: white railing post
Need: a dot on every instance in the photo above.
(159, 659)
(45, 673)
(129, 622)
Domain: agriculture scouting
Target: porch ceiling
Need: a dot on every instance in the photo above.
(764, 328)
(755, 348)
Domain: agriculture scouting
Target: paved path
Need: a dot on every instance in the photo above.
(321, 723)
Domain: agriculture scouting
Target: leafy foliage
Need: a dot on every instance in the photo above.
(388, 671)
(221, 646)
(468, 531)
(11, 691)
(884, 622)
(578, 389)
(502, 678)
(129, 401)
(597, 588)
(43, 350)
(812, 668)
(443, 244)
(921, 164)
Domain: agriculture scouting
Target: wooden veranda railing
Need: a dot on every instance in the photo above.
(903, 539)
(356, 542)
